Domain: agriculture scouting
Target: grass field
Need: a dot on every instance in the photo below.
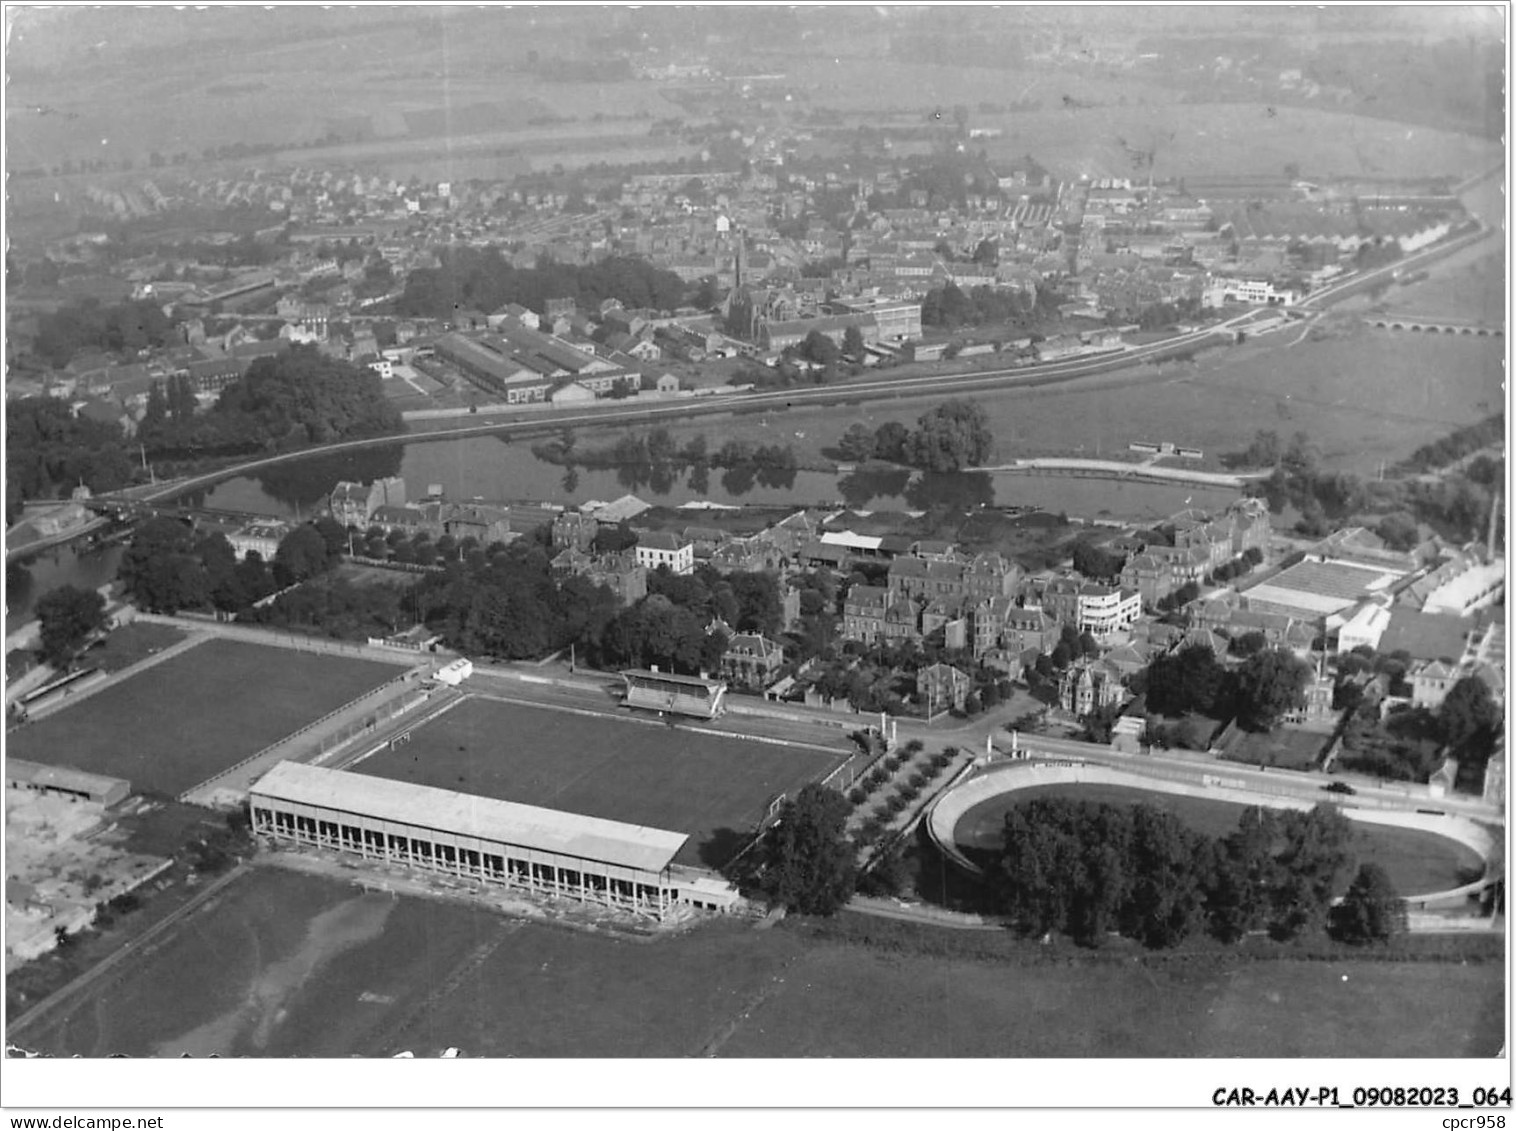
(1364, 396)
(184, 720)
(842, 1001)
(279, 963)
(131, 644)
(291, 965)
(1418, 862)
(1472, 292)
(713, 788)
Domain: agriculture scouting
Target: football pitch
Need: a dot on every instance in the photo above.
(713, 787)
(188, 718)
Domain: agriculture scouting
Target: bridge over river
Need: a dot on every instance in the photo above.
(1416, 324)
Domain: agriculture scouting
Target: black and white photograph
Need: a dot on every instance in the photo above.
(964, 539)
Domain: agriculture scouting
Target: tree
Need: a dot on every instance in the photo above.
(159, 569)
(1092, 561)
(1371, 911)
(857, 443)
(819, 348)
(809, 861)
(1468, 711)
(67, 617)
(889, 441)
(852, 343)
(301, 555)
(1270, 684)
(1399, 531)
(950, 437)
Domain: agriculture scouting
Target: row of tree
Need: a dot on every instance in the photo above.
(948, 307)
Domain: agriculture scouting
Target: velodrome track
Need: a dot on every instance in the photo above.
(1004, 778)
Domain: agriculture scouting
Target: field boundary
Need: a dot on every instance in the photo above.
(204, 793)
(70, 697)
(619, 718)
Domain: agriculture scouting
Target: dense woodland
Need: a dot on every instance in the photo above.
(1089, 870)
(123, 328)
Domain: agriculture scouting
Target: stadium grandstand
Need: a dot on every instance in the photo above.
(544, 851)
(672, 694)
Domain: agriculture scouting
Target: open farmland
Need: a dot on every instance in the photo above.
(710, 786)
(1418, 862)
(188, 718)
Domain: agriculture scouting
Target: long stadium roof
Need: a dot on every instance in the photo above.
(547, 830)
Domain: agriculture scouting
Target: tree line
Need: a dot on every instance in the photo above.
(954, 436)
(482, 279)
(948, 307)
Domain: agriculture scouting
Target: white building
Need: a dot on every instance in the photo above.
(660, 548)
(1364, 627)
(264, 537)
(1103, 609)
(1477, 587)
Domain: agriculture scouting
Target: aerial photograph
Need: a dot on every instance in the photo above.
(757, 532)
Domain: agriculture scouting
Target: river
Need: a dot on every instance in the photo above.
(487, 467)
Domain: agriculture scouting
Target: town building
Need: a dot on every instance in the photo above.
(942, 687)
(1089, 685)
(752, 660)
(262, 537)
(354, 504)
(1104, 609)
(661, 549)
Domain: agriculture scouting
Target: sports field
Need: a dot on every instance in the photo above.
(182, 721)
(712, 787)
(1418, 862)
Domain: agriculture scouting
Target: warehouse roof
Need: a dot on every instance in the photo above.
(60, 777)
(547, 830)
